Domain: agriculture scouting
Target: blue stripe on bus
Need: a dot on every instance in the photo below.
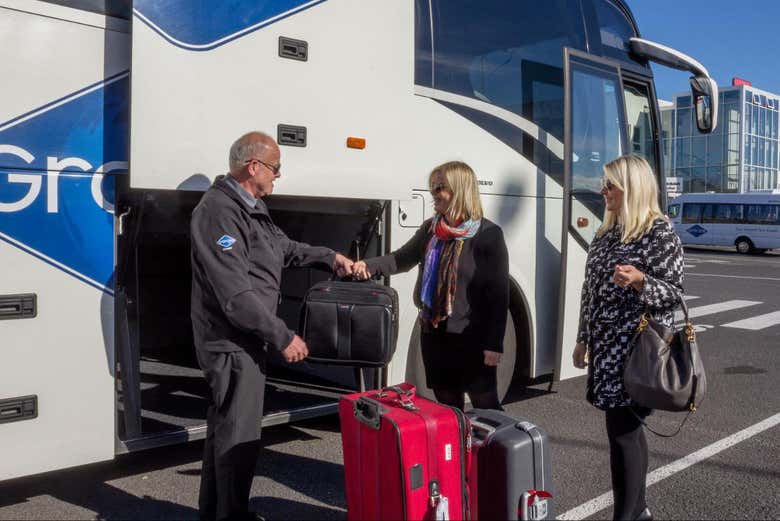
(74, 95)
(203, 25)
(109, 290)
(63, 222)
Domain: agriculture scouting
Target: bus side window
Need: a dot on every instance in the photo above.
(708, 213)
(728, 213)
(691, 212)
(674, 211)
(761, 214)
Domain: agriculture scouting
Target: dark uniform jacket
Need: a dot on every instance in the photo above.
(482, 292)
(237, 258)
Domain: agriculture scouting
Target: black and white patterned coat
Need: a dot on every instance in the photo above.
(609, 314)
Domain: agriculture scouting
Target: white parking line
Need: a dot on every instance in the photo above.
(757, 322)
(605, 500)
(729, 276)
(711, 309)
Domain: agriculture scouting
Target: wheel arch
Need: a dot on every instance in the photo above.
(524, 331)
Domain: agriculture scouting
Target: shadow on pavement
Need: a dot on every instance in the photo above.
(105, 500)
(277, 508)
(519, 393)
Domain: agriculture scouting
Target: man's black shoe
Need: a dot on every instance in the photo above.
(645, 515)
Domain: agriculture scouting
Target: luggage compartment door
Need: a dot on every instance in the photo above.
(62, 147)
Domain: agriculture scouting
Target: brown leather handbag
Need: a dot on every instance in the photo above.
(663, 369)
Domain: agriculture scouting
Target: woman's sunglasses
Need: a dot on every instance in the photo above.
(606, 184)
(435, 189)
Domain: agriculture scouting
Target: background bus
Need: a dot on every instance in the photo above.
(98, 357)
(750, 222)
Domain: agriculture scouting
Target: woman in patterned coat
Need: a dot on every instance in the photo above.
(635, 262)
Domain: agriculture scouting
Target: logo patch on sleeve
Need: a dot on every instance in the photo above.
(226, 241)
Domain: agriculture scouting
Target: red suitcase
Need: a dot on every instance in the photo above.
(404, 456)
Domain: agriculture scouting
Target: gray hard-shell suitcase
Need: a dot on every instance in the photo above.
(511, 473)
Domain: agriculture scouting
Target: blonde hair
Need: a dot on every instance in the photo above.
(634, 176)
(462, 182)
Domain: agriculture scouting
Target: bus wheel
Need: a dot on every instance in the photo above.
(744, 245)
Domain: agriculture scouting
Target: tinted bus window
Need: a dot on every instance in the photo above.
(507, 54)
(674, 210)
(728, 213)
(692, 212)
(615, 30)
(708, 213)
(761, 213)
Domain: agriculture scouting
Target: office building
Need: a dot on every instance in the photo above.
(741, 154)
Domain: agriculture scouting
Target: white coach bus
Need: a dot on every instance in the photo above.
(750, 222)
(115, 117)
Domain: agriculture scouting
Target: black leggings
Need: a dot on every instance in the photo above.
(479, 400)
(628, 461)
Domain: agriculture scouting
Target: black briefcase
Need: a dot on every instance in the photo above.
(350, 323)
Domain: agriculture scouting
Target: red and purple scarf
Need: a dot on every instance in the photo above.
(440, 271)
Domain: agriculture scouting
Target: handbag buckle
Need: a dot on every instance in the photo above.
(689, 333)
(643, 322)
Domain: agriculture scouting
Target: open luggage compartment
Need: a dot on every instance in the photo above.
(161, 393)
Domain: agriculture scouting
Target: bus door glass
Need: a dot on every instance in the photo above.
(595, 127)
(639, 122)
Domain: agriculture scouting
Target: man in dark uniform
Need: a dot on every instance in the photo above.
(237, 258)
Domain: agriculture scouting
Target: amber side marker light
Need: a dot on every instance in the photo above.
(356, 142)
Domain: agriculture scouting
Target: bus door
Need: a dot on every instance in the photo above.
(594, 135)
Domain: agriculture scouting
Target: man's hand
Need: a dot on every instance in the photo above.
(296, 350)
(492, 358)
(342, 265)
(360, 271)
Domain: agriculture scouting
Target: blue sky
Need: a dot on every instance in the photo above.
(730, 38)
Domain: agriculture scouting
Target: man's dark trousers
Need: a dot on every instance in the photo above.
(237, 382)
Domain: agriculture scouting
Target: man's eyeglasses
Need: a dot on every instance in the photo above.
(435, 189)
(273, 168)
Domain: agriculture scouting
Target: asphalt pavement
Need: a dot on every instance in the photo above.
(724, 464)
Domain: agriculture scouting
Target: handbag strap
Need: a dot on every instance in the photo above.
(644, 423)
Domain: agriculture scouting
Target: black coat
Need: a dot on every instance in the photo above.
(237, 258)
(482, 292)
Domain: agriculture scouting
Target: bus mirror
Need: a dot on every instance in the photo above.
(705, 100)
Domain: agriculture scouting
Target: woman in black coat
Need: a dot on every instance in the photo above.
(462, 289)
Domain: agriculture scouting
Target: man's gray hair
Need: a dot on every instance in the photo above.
(250, 145)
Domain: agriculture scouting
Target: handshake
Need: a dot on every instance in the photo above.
(297, 349)
(344, 267)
